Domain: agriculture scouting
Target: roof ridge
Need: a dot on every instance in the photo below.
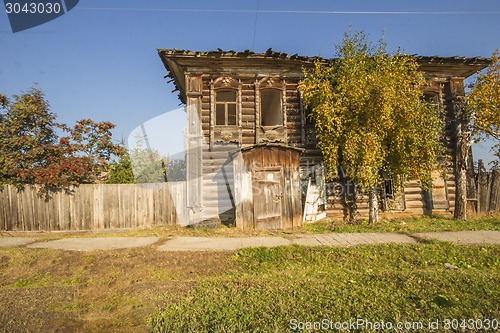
(270, 53)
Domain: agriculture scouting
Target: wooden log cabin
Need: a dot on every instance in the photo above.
(251, 149)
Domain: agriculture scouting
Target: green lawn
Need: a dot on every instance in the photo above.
(280, 289)
(253, 290)
(406, 225)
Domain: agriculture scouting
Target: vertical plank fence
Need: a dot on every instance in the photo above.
(93, 207)
(488, 190)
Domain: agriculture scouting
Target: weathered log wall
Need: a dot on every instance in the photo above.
(216, 202)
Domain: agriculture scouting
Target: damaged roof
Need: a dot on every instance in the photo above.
(177, 62)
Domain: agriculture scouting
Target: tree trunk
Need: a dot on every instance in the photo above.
(461, 177)
(462, 135)
(347, 197)
(373, 205)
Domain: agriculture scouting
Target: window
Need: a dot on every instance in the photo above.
(271, 108)
(308, 117)
(225, 108)
(389, 188)
(432, 99)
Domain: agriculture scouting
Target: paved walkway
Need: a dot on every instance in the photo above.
(229, 244)
(463, 237)
(89, 244)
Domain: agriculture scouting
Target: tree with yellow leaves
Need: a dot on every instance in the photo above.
(371, 116)
(477, 115)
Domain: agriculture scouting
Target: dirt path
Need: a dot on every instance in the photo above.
(45, 290)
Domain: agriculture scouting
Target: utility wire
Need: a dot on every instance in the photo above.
(255, 25)
(331, 12)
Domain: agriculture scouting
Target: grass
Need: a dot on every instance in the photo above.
(271, 289)
(100, 291)
(406, 225)
(257, 290)
(400, 224)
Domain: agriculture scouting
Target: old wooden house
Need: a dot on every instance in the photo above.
(251, 149)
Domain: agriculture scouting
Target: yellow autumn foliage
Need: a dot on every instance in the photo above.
(483, 101)
(370, 113)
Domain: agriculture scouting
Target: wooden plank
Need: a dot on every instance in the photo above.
(3, 209)
(30, 209)
(483, 189)
(65, 212)
(13, 203)
(127, 202)
(495, 191)
(21, 211)
(268, 194)
(12, 214)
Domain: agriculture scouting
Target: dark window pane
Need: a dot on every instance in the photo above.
(220, 114)
(226, 96)
(389, 190)
(270, 106)
(432, 98)
(309, 119)
(231, 114)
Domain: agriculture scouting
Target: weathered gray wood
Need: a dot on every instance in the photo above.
(495, 191)
(483, 188)
(268, 198)
(267, 188)
(92, 207)
(488, 190)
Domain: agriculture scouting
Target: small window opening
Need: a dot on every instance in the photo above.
(271, 108)
(389, 188)
(432, 98)
(308, 116)
(225, 107)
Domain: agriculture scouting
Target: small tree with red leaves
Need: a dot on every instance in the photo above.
(35, 150)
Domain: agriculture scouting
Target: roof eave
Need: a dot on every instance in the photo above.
(453, 66)
(177, 62)
(175, 72)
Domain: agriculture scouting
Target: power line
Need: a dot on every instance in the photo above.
(331, 12)
(255, 25)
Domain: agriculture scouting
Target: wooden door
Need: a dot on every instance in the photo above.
(268, 197)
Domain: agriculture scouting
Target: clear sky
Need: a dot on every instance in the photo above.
(99, 60)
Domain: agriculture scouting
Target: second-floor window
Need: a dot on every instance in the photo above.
(225, 107)
(271, 108)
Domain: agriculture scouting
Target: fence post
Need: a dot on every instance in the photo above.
(495, 191)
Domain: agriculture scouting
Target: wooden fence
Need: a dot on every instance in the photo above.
(102, 206)
(93, 207)
(488, 191)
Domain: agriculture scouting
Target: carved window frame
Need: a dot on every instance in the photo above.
(307, 126)
(392, 194)
(226, 105)
(435, 95)
(434, 89)
(274, 133)
(225, 133)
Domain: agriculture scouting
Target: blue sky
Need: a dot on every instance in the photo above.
(99, 60)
